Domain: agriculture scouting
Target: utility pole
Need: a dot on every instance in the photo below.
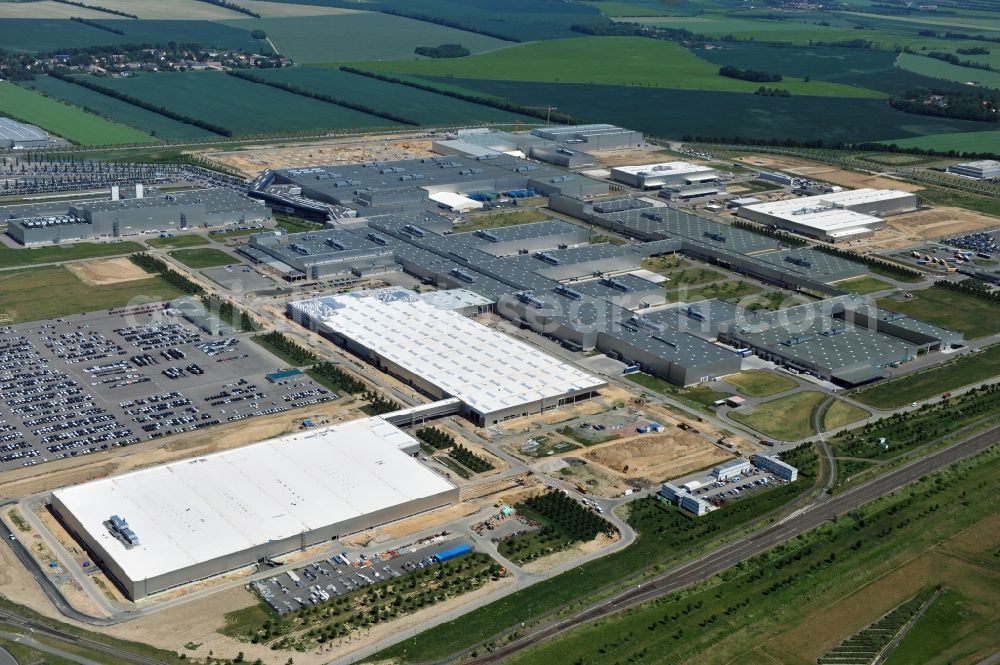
(548, 114)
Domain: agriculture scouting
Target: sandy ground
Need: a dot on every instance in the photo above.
(634, 157)
(571, 554)
(560, 415)
(827, 173)
(657, 456)
(413, 525)
(47, 9)
(596, 479)
(940, 222)
(254, 160)
(107, 271)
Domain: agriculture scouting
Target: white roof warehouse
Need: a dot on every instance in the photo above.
(200, 517)
(445, 354)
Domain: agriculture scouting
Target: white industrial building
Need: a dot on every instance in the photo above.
(666, 174)
(731, 469)
(197, 518)
(983, 169)
(832, 217)
(445, 354)
(776, 466)
(684, 499)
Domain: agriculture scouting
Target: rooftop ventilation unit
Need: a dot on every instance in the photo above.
(462, 275)
(548, 258)
(692, 313)
(798, 339)
(653, 216)
(798, 261)
(376, 238)
(470, 171)
(615, 284)
(643, 322)
(483, 158)
(336, 244)
(718, 237)
(525, 168)
(486, 235)
(415, 230)
(833, 331)
(529, 299)
(300, 248)
(568, 292)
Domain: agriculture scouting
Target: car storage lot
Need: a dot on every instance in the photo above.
(89, 382)
(291, 591)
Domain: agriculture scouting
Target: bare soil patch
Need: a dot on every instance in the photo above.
(818, 171)
(571, 554)
(253, 161)
(657, 456)
(940, 222)
(107, 271)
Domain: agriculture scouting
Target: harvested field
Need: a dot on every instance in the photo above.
(832, 174)
(656, 456)
(940, 222)
(635, 157)
(269, 9)
(255, 160)
(46, 9)
(108, 271)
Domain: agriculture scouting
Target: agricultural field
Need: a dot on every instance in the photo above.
(757, 383)
(937, 69)
(43, 293)
(719, 114)
(949, 309)
(241, 106)
(962, 371)
(116, 110)
(797, 601)
(840, 414)
(40, 35)
(786, 419)
(71, 123)
(636, 62)
(425, 107)
(359, 36)
(33, 256)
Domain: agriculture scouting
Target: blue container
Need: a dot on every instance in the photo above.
(452, 553)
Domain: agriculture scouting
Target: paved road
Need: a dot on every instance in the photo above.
(27, 641)
(760, 541)
(6, 658)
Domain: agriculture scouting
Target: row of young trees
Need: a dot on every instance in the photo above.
(329, 99)
(953, 59)
(772, 92)
(971, 287)
(469, 459)
(232, 6)
(338, 379)
(287, 348)
(573, 520)
(435, 438)
(234, 316)
(502, 104)
(154, 265)
(443, 51)
(378, 404)
(135, 101)
(754, 75)
(97, 8)
(448, 23)
(95, 24)
(786, 238)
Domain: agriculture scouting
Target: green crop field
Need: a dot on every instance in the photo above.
(721, 114)
(934, 68)
(36, 35)
(70, 123)
(109, 107)
(963, 371)
(175, 242)
(636, 62)
(957, 624)
(33, 256)
(840, 413)
(204, 257)
(422, 106)
(360, 36)
(786, 419)
(949, 309)
(757, 383)
(864, 284)
(34, 294)
(699, 397)
(624, 8)
(241, 106)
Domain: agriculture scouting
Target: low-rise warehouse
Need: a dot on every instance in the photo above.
(197, 518)
(665, 174)
(732, 468)
(445, 354)
(984, 169)
(776, 466)
(18, 135)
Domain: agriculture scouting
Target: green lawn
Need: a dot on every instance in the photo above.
(25, 655)
(204, 257)
(864, 284)
(962, 371)
(33, 256)
(944, 632)
(34, 294)
(841, 413)
(496, 220)
(193, 240)
(939, 69)
(71, 123)
(758, 383)
(699, 397)
(786, 419)
(637, 62)
(986, 141)
(949, 309)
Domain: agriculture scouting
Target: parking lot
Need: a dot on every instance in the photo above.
(90, 382)
(741, 487)
(342, 574)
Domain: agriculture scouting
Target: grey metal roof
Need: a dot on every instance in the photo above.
(662, 222)
(17, 132)
(813, 264)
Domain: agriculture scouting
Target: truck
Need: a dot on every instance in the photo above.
(631, 369)
(293, 577)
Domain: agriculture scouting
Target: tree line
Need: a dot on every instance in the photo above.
(379, 405)
(437, 20)
(786, 238)
(95, 24)
(469, 459)
(231, 6)
(337, 379)
(329, 99)
(152, 264)
(771, 92)
(959, 105)
(753, 75)
(864, 146)
(135, 101)
(953, 59)
(234, 316)
(97, 8)
(443, 51)
(502, 104)
(285, 347)
(882, 264)
(435, 438)
(971, 287)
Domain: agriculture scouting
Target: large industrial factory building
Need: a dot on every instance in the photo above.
(445, 354)
(173, 524)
